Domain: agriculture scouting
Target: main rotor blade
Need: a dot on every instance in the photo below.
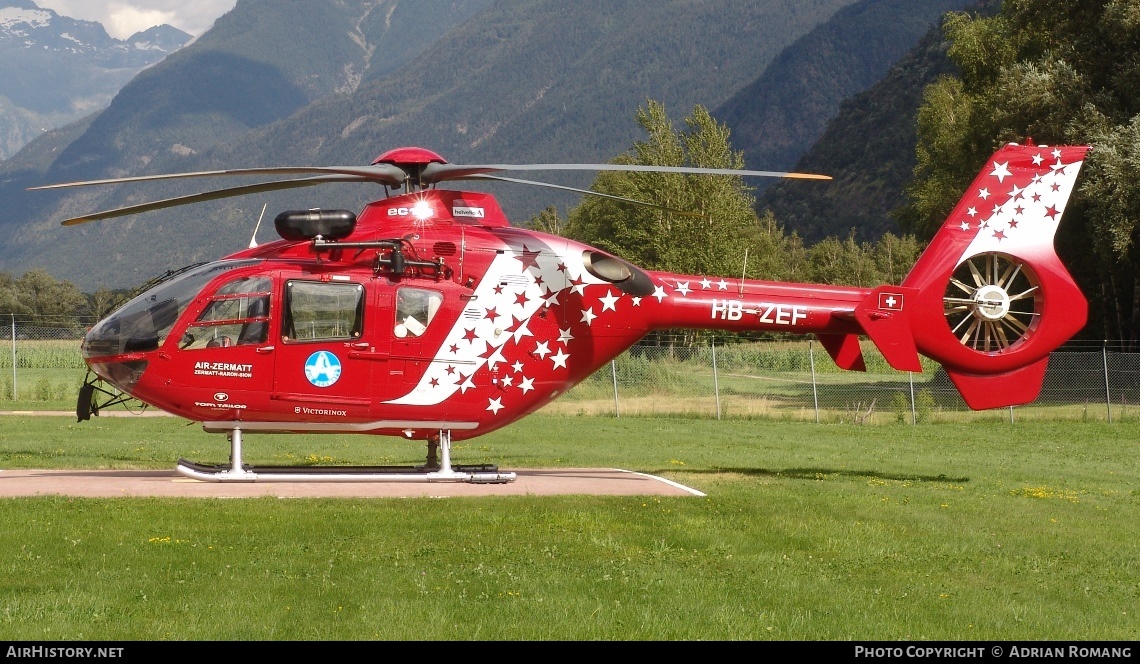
(633, 201)
(382, 173)
(436, 172)
(214, 195)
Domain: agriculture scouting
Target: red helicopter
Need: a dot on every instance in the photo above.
(427, 316)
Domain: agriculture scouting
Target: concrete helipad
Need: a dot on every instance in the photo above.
(167, 483)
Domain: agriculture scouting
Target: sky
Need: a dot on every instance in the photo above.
(123, 18)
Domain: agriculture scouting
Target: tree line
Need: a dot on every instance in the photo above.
(50, 301)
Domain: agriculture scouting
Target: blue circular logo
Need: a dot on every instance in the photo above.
(322, 368)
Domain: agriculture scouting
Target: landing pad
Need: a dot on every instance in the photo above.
(169, 484)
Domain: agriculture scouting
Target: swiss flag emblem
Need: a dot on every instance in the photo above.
(891, 301)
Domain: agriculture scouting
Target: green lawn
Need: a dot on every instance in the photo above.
(951, 531)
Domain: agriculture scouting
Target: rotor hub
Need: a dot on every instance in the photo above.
(992, 302)
(410, 156)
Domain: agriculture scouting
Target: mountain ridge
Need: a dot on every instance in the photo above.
(56, 69)
(533, 80)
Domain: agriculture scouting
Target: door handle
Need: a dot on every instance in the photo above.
(264, 350)
(363, 345)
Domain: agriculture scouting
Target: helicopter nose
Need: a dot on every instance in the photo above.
(124, 375)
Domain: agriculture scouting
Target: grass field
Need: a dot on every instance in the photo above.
(809, 532)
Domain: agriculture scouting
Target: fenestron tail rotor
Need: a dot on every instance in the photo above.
(992, 302)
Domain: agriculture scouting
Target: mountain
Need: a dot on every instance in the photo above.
(869, 149)
(513, 80)
(244, 74)
(781, 114)
(55, 69)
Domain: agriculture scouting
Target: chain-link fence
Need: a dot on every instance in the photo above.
(41, 368)
(797, 380)
(40, 364)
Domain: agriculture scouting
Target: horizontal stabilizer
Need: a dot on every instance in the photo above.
(883, 317)
(845, 350)
(1011, 388)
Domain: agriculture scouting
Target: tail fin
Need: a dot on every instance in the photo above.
(989, 299)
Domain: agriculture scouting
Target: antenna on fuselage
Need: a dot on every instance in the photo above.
(253, 240)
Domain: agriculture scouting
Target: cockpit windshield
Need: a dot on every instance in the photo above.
(144, 323)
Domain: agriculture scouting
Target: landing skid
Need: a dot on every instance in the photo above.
(432, 471)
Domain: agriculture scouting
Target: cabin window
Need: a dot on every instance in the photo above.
(319, 311)
(143, 324)
(237, 315)
(415, 309)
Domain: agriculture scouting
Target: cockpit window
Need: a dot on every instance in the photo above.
(237, 315)
(257, 284)
(317, 311)
(415, 309)
(144, 323)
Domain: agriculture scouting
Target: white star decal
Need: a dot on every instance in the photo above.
(496, 357)
(1057, 154)
(1037, 159)
(523, 331)
(495, 405)
(683, 288)
(659, 293)
(1015, 191)
(973, 212)
(517, 367)
(526, 385)
(722, 285)
(466, 385)
(588, 316)
(1001, 171)
(706, 284)
(564, 335)
(559, 359)
(507, 380)
(542, 350)
(578, 288)
(965, 226)
(984, 193)
(637, 301)
(609, 301)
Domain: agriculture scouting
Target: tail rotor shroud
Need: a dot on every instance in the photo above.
(992, 302)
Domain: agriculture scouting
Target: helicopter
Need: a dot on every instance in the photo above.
(429, 317)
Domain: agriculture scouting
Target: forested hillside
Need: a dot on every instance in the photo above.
(869, 149)
(260, 63)
(536, 80)
(781, 114)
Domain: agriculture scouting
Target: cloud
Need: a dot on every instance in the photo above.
(123, 18)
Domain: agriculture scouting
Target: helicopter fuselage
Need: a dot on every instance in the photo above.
(432, 314)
